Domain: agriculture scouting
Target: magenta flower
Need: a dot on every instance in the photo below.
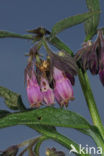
(63, 88)
(33, 90)
(87, 57)
(93, 60)
(48, 95)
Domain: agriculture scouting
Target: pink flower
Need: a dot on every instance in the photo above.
(33, 90)
(48, 95)
(63, 88)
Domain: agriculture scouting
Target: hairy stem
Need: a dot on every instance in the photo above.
(83, 78)
(84, 81)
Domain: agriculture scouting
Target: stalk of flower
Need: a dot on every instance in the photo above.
(62, 88)
(33, 89)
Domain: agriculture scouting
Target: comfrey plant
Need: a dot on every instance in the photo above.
(49, 80)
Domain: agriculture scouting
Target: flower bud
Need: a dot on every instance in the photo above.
(101, 58)
(10, 151)
(101, 66)
(48, 95)
(87, 57)
(93, 63)
(33, 90)
(54, 152)
(63, 88)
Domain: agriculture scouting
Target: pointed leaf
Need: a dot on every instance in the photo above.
(42, 119)
(5, 34)
(92, 23)
(50, 132)
(61, 139)
(96, 136)
(71, 21)
(12, 100)
(44, 116)
(59, 44)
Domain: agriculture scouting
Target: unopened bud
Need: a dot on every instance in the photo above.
(53, 152)
(11, 151)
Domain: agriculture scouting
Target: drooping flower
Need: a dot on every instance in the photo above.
(93, 60)
(101, 58)
(87, 57)
(91, 56)
(65, 62)
(62, 88)
(48, 95)
(33, 89)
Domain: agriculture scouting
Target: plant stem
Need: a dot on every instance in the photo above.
(86, 89)
(28, 142)
(84, 81)
(61, 139)
(37, 146)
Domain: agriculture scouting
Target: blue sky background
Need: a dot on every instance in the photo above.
(19, 16)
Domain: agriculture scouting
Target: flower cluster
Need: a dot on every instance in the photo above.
(47, 80)
(91, 56)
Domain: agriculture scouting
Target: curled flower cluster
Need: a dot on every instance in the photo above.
(91, 56)
(47, 83)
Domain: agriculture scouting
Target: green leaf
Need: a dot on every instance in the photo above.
(43, 120)
(92, 23)
(44, 116)
(96, 136)
(6, 34)
(12, 100)
(59, 44)
(71, 21)
(37, 146)
(61, 139)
